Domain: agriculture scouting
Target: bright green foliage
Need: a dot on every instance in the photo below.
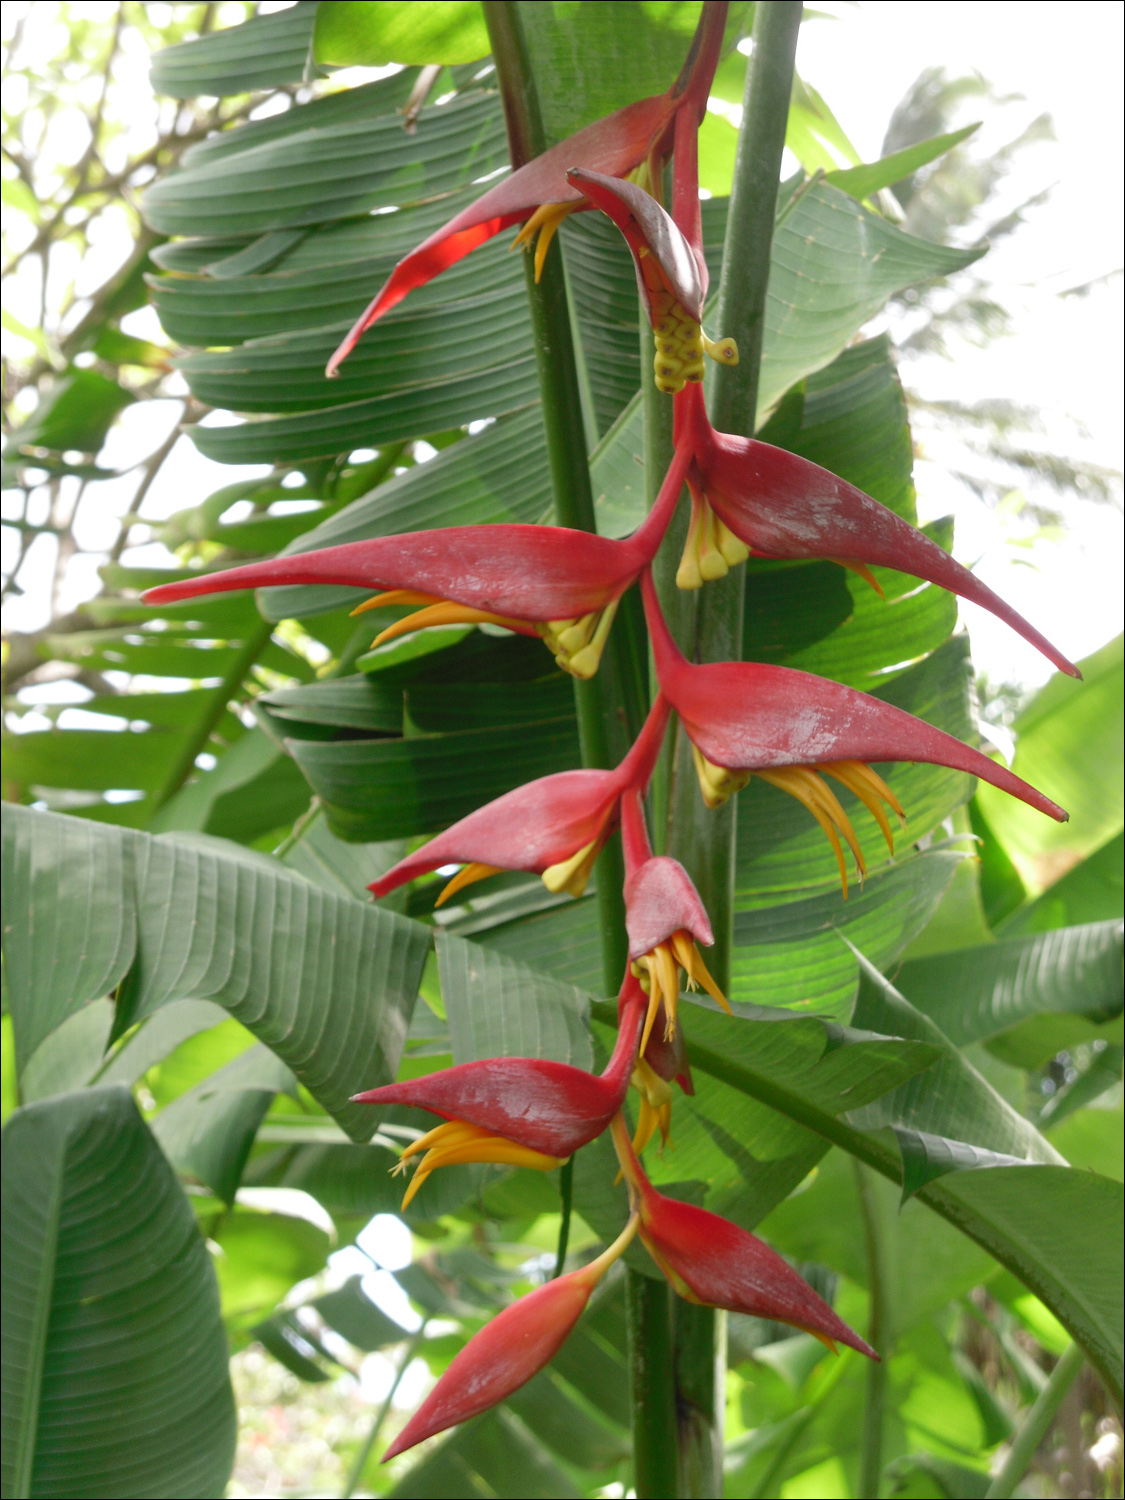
(953, 1029)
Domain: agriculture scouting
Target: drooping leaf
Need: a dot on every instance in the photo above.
(976, 993)
(104, 1272)
(325, 981)
(863, 181)
(260, 54)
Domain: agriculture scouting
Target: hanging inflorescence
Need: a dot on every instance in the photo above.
(742, 719)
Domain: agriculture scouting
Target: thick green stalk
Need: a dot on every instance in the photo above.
(703, 841)
(648, 1306)
(602, 732)
(1034, 1429)
(878, 1335)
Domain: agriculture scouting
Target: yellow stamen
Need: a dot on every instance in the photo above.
(456, 1143)
(811, 792)
(863, 571)
(445, 613)
(544, 222)
(655, 1108)
(571, 875)
(467, 876)
(717, 783)
(690, 960)
(711, 548)
(577, 644)
(680, 341)
(871, 790)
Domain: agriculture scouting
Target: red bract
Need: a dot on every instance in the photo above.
(710, 1261)
(546, 1106)
(671, 272)
(539, 580)
(554, 827)
(615, 145)
(664, 918)
(781, 505)
(508, 1351)
(746, 719)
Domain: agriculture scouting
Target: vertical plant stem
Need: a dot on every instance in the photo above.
(1034, 1429)
(703, 841)
(356, 1473)
(566, 1196)
(878, 1335)
(701, 1365)
(648, 1306)
(599, 723)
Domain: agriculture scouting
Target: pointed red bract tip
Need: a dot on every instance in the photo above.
(504, 1355)
(722, 1265)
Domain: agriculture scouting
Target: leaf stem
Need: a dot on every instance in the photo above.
(1035, 1426)
(356, 1473)
(878, 1336)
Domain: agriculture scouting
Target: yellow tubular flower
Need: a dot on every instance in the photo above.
(711, 548)
(655, 1107)
(456, 1143)
(467, 876)
(717, 783)
(572, 875)
(577, 644)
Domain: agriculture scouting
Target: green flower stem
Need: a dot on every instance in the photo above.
(878, 1335)
(648, 1307)
(600, 726)
(1034, 1429)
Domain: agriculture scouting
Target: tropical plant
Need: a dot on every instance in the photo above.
(209, 1027)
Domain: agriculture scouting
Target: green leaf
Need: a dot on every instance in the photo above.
(208, 1131)
(498, 475)
(864, 181)
(260, 54)
(387, 789)
(334, 171)
(160, 1035)
(497, 1007)
(1091, 892)
(355, 1317)
(90, 759)
(977, 993)
(70, 926)
(76, 413)
(104, 1272)
(348, 34)
(496, 1450)
(327, 982)
(262, 1256)
(1069, 745)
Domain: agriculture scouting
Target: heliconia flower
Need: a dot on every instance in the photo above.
(519, 1111)
(549, 581)
(664, 919)
(554, 827)
(509, 1350)
(747, 719)
(539, 191)
(713, 1262)
(780, 505)
(671, 275)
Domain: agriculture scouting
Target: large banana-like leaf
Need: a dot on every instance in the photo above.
(115, 1358)
(262, 53)
(325, 981)
(977, 993)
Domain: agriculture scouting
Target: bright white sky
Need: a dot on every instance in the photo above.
(1065, 357)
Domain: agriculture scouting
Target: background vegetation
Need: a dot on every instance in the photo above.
(193, 987)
